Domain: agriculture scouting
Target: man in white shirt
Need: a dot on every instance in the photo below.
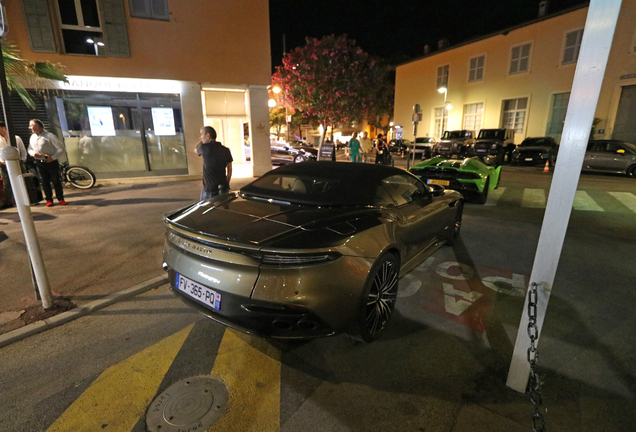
(4, 174)
(46, 148)
(366, 145)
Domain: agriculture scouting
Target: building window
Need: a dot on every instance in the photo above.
(476, 68)
(520, 58)
(153, 9)
(81, 27)
(440, 120)
(572, 46)
(514, 114)
(473, 114)
(442, 76)
(557, 114)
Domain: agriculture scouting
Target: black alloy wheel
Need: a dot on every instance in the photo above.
(631, 171)
(299, 159)
(482, 197)
(378, 299)
(453, 235)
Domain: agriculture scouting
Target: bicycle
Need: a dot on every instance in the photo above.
(77, 175)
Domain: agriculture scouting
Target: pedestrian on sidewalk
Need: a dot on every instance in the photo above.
(4, 174)
(381, 150)
(354, 148)
(367, 147)
(46, 148)
(217, 163)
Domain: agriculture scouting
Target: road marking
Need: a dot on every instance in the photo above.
(493, 196)
(457, 307)
(251, 371)
(533, 198)
(583, 201)
(626, 198)
(120, 396)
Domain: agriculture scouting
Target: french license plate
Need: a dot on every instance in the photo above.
(528, 159)
(482, 150)
(438, 182)
(199, 292)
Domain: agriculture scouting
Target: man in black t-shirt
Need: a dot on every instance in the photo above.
(217, 163)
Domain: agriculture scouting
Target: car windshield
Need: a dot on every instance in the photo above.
(423, 140)
(452, 134)
(491, 134)
(322, 184)
(535, 142)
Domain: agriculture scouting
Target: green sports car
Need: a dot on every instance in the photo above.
(470, 176)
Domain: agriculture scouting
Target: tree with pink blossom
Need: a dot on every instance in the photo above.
(332, 80)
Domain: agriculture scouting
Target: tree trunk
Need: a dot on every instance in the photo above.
(322, 138)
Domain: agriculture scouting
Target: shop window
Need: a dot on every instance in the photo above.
(153, 9)
(572, 46)
(514, 114)
(476, 68)
(442, 76)
(520, 59)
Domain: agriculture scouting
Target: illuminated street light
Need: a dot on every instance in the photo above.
(271, 103)
(449, 106)
(95, 44)
(276, 90)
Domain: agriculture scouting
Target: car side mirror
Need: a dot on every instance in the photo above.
(620, 151)
(436, 190)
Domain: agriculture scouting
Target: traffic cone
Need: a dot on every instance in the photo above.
(547, 166)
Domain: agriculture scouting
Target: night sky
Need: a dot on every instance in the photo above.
(397, 30)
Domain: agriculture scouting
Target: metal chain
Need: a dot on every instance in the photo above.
(538, 423)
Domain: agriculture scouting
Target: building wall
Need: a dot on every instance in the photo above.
(416, 81)
(215, 41)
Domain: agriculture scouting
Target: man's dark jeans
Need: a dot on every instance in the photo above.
(49, 172)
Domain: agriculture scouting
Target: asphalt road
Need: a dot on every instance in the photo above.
(441, 366)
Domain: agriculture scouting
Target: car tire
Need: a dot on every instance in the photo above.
(299, 159)
(482, 197)
(378, 298)
(631, 171)
(453, 235)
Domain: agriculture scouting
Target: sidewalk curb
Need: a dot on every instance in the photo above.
(57, 320)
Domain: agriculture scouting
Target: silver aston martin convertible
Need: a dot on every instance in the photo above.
(308, 250)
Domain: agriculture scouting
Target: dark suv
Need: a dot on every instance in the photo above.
(535, 150)
(454, 143)
(494, 144)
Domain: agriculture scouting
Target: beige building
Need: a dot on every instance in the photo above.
(145, 76)
(520, 79)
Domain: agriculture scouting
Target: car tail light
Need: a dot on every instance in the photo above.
(298, 259)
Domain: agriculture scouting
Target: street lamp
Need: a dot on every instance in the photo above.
(277, 90)
(95, 45)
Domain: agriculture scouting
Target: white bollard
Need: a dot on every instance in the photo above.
(11, 156)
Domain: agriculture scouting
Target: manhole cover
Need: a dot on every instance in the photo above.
(191, 404)
(68, 209)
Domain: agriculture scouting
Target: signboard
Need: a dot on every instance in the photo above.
(163, 120)
(101, 121)
(133, 85)
(327, 152)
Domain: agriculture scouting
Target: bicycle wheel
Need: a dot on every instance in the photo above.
(80, 177)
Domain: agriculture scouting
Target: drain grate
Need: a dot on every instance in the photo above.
(68, 209)
(191, 404)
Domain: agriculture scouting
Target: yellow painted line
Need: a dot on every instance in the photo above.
(120, 396)
(251, 371)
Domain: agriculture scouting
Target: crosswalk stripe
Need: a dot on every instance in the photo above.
(626, 198)
(121, 394)
(251, 372)
(533, 198)
(493, 196)
(583, 201)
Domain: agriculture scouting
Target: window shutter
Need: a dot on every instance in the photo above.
(38, 22)
(160, 9)
(140, 8)
(114, 26)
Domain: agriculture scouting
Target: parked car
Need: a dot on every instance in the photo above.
(534, 151)
(399, 145)
(454, 142)
(470, 176)
(423, 147)
(283, 153)
(494, 145)
(610, 156)
(308, 250)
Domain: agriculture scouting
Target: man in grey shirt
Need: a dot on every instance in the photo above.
(46, 148)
